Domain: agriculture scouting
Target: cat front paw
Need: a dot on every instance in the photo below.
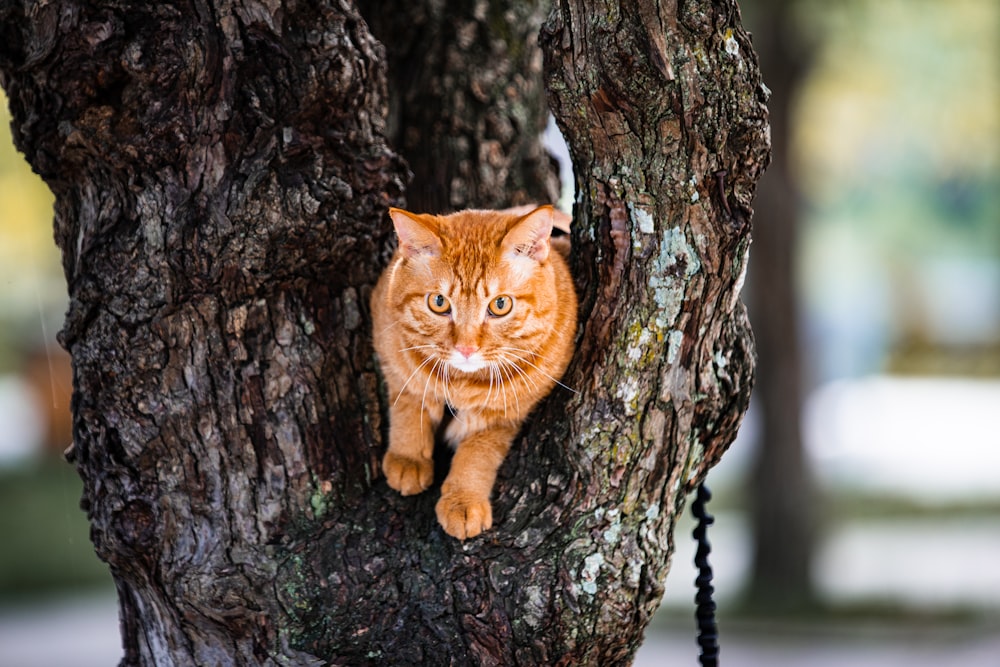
(407, 475)
(463, 514)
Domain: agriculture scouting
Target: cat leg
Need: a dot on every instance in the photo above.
(464, 509)
(408, 464)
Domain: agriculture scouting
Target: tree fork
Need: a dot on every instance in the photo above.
(221, 174)
(467, 101)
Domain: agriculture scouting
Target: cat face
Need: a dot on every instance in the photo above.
(474, 290)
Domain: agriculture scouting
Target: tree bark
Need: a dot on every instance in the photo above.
(467, 101)
(221, 175)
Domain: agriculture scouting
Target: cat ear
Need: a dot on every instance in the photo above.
(561, 221)
(529, 237)
(415, 236)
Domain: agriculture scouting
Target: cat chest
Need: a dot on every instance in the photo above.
(461, 424)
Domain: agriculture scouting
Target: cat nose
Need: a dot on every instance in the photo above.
(466, 350)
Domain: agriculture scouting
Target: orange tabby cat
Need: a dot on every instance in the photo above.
(475, 313)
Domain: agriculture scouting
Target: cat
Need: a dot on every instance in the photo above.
(476, 313)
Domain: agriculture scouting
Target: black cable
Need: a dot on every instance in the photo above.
(708, 631)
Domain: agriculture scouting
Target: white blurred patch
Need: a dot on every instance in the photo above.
(21, 428)
(925, 438)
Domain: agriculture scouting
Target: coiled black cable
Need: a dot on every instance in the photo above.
(708, 631)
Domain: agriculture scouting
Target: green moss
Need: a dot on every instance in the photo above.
(318, 503)
(300, 630)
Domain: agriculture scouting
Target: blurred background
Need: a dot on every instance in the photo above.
(858, 514)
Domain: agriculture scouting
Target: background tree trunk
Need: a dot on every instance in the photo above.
(221, 176)
(782, 491)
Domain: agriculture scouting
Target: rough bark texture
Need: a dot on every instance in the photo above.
(665, 116)
(220, 178)
(466, 100)
(221, 175)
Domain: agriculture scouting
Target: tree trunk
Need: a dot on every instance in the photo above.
(221, 176)
(783, 499)
(467, 101)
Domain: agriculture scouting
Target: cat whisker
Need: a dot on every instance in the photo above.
(386, 328)
(489, 392)
(528, 379)
(451, 408)
(446, 376)
(513, 389)
(437, 382)
(423, 397)
(405, 384)
(501, 386)
(419, 347)
(526, 361)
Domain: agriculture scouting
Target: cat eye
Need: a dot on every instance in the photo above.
(438, 303)
(501, 305)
